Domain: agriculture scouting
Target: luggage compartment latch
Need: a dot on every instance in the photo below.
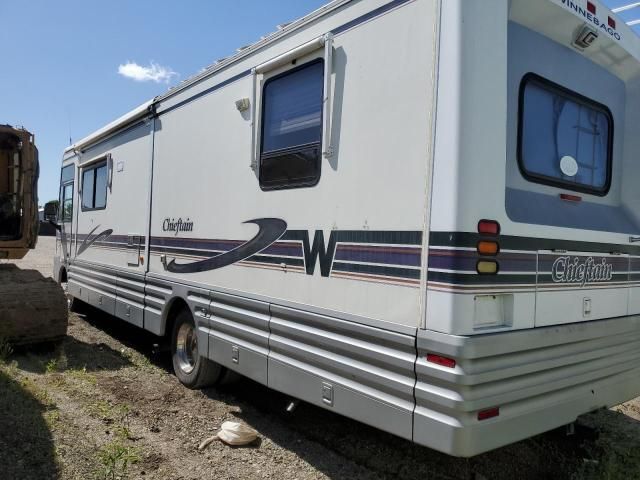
(235, 354)
(327, 393)
(586, 306)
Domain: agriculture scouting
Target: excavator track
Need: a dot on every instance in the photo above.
(33, 308)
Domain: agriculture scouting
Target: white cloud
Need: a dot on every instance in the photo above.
(152, 73)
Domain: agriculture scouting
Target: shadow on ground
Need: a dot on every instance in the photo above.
(553, 455)
(29, 452)
(70, 354)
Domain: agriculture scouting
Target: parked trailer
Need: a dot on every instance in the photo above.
(419, 214)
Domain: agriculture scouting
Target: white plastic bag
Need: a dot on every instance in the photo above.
(232, 433)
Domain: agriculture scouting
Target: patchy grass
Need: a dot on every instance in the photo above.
(26, 444)
(51, 366)
(109, 413)
(83, 375)
(5, 350)
(115, 458)
(139, 360)
(52, 418)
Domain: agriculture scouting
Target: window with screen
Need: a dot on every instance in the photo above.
(94, 187)
(291, 140)
(565, 139)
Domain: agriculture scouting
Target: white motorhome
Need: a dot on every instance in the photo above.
(420, 214)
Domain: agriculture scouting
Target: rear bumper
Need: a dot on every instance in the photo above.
(540, 379)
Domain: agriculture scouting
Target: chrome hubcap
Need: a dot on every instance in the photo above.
(187, 348)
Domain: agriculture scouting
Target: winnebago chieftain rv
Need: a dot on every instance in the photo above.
(420, 214)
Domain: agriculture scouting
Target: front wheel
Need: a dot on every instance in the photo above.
(193, 370)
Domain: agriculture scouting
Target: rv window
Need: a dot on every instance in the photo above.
(292, 128)
(565, 139)
(94, 187)
(67, 174)
(66, 193)
(66, 213)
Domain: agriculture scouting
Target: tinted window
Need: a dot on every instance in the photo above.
(292, 128)
(66, 193)
(101, 187)
(565, 139)
(67, 174)
(94, 187)
(88, 183)
(67, 203)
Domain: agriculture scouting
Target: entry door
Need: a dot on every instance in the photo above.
(66, 210)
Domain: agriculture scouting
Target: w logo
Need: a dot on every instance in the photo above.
(316, 251)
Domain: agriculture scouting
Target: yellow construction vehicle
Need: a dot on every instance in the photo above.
(33, 308)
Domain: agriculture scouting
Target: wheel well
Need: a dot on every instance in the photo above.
(176, 306)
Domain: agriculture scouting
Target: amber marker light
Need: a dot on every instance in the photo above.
(485, 247)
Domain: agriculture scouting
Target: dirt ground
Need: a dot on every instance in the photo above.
(105, 405)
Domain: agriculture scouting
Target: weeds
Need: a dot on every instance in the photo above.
(52, 366)
(101, 409)
(83, 375)
(110, 413)
(52, 418)
(5, 350)
(138, 359)
(115, 458)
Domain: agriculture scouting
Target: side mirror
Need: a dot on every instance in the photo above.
(51, 211)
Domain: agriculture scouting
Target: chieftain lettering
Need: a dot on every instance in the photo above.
(177, 226)
(570, 270)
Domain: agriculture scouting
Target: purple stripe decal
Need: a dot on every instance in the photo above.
(223, 245)
(383, 255)
(284, 248)
(110, 240)
(465, 260)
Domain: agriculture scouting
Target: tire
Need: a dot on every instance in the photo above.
(193, 370)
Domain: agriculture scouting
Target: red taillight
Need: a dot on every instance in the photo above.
(488, 227)
(591, 7)
(489, 413)
(570, 198)
(612, 22)
(439, 360)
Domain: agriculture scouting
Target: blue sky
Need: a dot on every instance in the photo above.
(60, 59)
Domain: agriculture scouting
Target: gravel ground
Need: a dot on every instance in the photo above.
(105, 405)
